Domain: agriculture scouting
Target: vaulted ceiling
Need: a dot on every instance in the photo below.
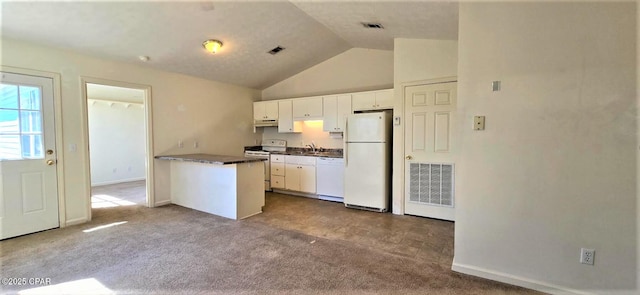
(171, 33)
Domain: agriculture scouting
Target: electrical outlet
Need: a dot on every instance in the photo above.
(195, 144)
(587, 256)
(180, 144)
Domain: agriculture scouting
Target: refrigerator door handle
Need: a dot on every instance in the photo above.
(346, 140)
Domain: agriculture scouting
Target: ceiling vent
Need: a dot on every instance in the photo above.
(275, 50)
(373, 25)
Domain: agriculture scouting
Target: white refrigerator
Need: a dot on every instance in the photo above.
(367, 160)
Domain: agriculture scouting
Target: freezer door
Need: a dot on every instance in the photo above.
(368, 127)
(367, 175)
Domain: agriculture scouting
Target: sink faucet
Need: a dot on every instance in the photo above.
(312, 146)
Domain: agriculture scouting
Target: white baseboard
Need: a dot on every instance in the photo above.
(514, 280)
(71, 222)
(162, 203)
(117, 181)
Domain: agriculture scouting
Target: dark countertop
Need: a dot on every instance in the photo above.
(210, 159)
(310, 154)
(298, 151)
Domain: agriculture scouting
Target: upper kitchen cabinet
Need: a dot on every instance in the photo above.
(336, 108)
(286, 124)
(309, 108)
(265, 110)
(373, 100)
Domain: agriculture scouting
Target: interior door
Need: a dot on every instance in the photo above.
(28, 177)
(429, 146)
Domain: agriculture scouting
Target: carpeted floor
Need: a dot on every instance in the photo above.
(174, 250)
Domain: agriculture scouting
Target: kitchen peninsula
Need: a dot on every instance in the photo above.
(227, 186)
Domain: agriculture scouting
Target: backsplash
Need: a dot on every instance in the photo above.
(311, 131)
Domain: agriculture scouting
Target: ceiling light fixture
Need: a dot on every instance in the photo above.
(212, 45)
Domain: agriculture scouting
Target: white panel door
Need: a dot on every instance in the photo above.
(28, 177)
(429, 178)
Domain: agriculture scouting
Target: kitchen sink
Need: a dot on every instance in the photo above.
(310, 153)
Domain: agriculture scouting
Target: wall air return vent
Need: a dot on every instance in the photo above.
(373, 26)
(431, 184)
(275, 50)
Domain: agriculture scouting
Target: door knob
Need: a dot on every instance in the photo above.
(50, 162)
(49, 152)
(409, 157)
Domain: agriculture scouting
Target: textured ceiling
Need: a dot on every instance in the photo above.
(416, 19)
(171, 33)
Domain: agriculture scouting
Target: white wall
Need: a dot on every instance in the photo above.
(356, 69)
(415, 60)
(116, 141)
(185, 108)
(555, 169)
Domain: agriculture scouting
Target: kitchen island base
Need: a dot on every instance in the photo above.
(234, 191)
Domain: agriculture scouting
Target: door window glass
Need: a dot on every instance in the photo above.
(20, 122)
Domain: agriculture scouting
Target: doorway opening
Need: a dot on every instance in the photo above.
(118, 120)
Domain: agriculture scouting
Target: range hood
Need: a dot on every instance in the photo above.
(265, 123)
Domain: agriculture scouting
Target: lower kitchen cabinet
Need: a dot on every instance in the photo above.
(300, 178)
(277, 171)
(300, 174)
(308, 179)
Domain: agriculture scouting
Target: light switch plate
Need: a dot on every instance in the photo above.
(478, 123)
(396, 120)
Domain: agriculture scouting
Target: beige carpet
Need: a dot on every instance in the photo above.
(170, 250)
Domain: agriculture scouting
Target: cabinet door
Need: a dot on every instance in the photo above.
(384, 99)
(300, 108)
(285, 121)
(271, 110)
(314, 107)
(292, 179)
(307, 108)
(259, 111)
(364, 101)
(344, 110)
(330, 111)
(308, 179)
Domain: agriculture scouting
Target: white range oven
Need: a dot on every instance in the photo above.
(268, 146)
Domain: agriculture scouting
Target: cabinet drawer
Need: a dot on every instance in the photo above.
(277, 169)
(277, 181)
(277, 158)
(300, 160)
